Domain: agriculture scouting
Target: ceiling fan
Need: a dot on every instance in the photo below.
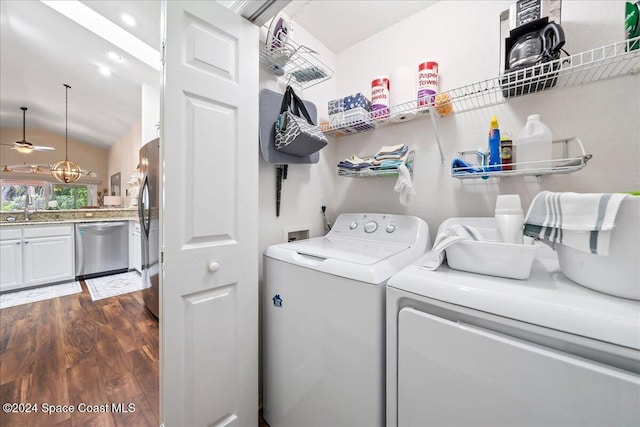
(39, 169)
(25, 146)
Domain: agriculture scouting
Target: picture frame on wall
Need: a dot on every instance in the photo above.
(115, 184)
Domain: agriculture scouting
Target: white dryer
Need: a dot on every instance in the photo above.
(324, 320)
(466, 349)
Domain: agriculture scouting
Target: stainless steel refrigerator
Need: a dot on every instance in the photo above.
(148, 213)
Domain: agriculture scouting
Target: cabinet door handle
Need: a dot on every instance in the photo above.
(17, 243)
(26, 241)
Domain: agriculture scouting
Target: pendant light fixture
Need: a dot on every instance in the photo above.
(65, 170)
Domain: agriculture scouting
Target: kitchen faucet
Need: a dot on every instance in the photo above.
(27, 212)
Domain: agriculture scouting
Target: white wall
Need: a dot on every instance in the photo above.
(463, 37)
(150, 106)
(124, 158)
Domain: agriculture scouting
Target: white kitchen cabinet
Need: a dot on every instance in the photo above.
(135, 249)
(47, 260)
(11, 261)
(37, 255)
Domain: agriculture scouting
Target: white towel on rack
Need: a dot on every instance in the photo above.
(404, 185)
(581, 221)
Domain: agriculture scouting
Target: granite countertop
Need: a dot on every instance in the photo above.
(69, 216)
(63, 221)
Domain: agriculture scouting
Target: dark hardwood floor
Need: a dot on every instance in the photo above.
(74, 352)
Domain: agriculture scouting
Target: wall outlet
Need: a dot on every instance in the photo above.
(292, 234)
(88, 214)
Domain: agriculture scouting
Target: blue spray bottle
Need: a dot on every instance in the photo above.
(494, 145)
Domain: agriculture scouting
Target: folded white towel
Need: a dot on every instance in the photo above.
(580, 221)
(355, 160)
(445, 238)
(387, 149)
(402, 157)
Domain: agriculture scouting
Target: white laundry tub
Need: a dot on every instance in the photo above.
(619, 273)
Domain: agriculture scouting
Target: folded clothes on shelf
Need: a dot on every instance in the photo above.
(388, 158)
(353, 166)
(390, 149)
(389, 164)
(391, 152)
(355, 163)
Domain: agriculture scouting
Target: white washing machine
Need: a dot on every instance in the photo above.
(466, 349)
(324, 320)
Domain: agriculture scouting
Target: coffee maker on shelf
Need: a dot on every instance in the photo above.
(531, 42)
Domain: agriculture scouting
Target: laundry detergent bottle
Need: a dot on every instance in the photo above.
(533, 145)
(494, 145)
(509, 219)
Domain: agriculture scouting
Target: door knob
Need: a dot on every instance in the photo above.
(214, 266)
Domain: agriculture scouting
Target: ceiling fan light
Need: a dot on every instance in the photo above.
(24, 149)
(66, 171)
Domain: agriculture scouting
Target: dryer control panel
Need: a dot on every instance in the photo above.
(380, 227)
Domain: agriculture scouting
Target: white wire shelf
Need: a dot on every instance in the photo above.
(597, 64)
(564, 165)
(368, 172)
(375, 119)
(297, 63)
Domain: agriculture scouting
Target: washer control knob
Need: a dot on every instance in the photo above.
(370, 227)
(391, 228)
(353, 225)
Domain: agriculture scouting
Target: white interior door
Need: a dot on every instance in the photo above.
(209, 203)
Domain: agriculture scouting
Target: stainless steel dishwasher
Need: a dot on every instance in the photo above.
(101, 248)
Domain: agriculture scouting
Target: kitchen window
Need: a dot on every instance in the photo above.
(42, 192)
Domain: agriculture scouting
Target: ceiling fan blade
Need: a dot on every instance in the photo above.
(43, 148)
